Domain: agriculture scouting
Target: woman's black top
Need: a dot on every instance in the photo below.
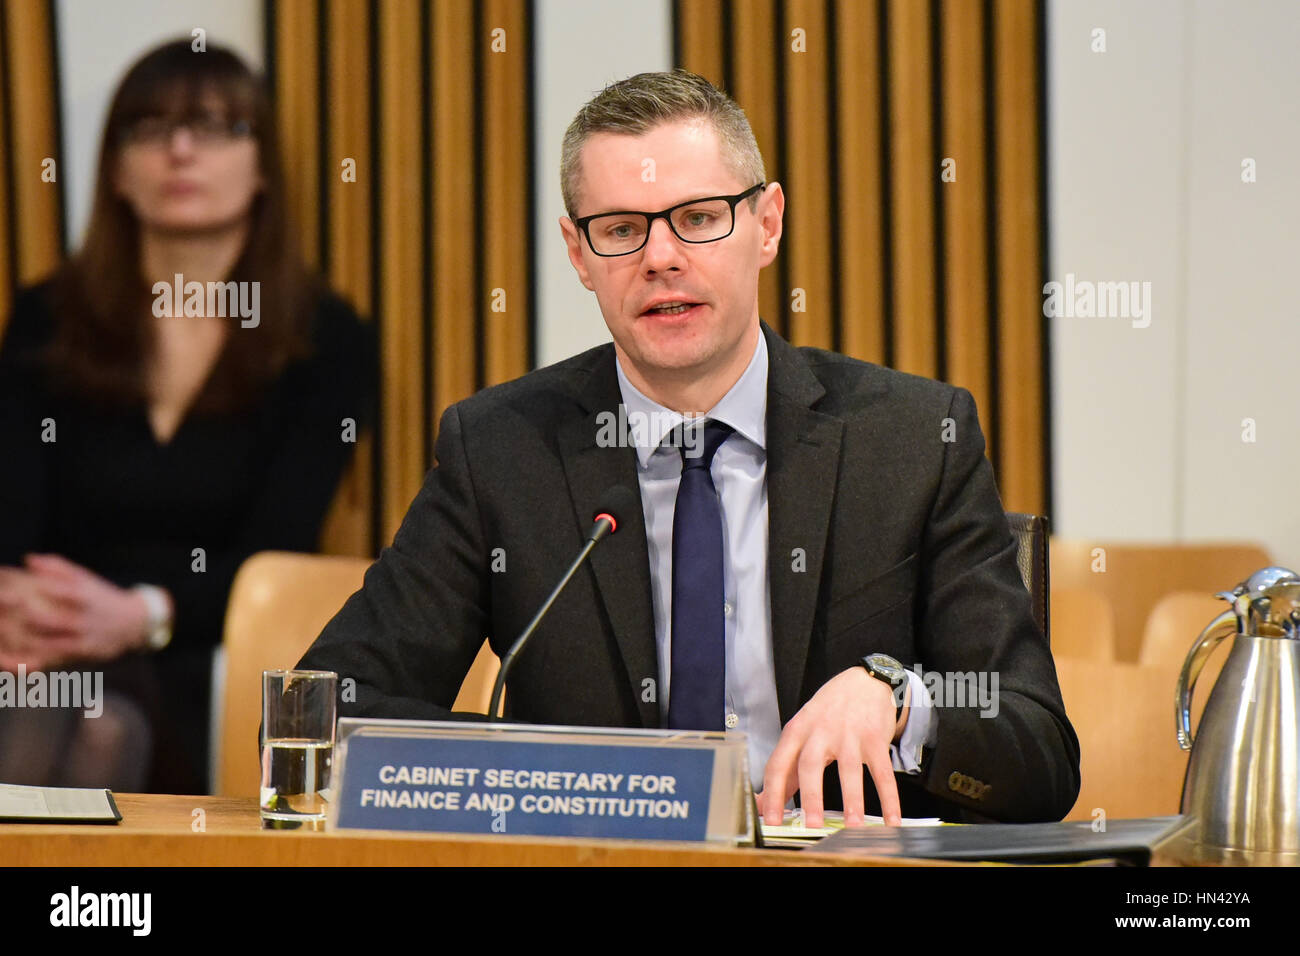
(94, 485)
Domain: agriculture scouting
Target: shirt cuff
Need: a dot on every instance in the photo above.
(906, 754)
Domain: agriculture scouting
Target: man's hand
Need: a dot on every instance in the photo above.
(55, 610)
(850, 720)
(17, 644)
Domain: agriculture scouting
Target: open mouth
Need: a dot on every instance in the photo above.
(672, 309)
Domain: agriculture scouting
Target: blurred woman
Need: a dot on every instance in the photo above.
(157, 434)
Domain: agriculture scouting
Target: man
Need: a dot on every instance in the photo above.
(829, 510)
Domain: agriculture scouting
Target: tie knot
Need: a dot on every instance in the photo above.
(699, 445)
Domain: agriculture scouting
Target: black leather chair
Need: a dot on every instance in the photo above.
(1031, 537)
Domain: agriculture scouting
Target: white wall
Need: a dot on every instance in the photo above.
(1145, 148)
(98, 42)
(580, 46)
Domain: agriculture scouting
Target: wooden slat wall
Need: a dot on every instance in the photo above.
(965, 204)
(860, 232)
(402, 181)
(506, 79)
(1021, 327)
(754, 80)
(31, 209)
(438, 124)
(913, 163)
(938, 278)
(807, 158)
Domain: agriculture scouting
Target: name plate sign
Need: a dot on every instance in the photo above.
(452, 777)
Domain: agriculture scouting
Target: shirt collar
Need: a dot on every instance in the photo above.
(744, 408)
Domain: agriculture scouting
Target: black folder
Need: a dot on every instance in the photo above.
(1127, 841)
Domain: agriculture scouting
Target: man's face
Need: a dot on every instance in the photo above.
(671, 164)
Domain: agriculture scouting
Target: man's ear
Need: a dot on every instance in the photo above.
(573, 242)
(771, 211)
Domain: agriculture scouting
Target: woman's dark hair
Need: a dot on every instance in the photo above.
(103, 333)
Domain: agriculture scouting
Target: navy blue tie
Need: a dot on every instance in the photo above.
(699, 654)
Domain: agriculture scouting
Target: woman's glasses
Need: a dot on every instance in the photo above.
(206, 130)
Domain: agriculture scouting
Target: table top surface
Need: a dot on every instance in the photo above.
(172, 830)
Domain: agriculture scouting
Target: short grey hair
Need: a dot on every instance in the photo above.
(640, 103)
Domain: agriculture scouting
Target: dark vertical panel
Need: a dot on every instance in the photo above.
(530, 174)
(1045, 266)
(323, 133)
(479, 292)
(886, 184)
(366, 490)
(56, 85)
(836, 266)
(993, 423)
(8, 183)
(780, 169)
(425, 239)
(940, 346)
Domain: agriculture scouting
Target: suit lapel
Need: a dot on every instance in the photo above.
(621, 563)
(803, 454)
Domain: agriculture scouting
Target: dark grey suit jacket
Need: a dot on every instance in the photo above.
(882, 537)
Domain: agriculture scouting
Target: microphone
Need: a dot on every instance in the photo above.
(611, 510)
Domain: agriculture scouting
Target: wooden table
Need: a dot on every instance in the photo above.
(166, 830)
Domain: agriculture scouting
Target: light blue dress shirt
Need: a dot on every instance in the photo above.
(739, 471)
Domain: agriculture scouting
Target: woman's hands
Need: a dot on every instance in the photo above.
(53, 610)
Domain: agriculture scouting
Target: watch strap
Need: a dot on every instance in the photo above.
(160, 620)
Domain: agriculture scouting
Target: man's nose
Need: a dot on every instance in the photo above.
(663, 250)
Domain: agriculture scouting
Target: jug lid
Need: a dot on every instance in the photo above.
(1267, 603)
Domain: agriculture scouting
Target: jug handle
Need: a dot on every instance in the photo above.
(1225, 625)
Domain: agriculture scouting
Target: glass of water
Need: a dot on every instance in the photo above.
(298, 712)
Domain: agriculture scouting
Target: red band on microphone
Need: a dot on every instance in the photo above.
(613, 525)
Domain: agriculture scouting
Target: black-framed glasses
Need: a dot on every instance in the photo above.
(206, 128)
(696, 220)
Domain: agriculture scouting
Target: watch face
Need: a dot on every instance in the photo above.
(887, 666)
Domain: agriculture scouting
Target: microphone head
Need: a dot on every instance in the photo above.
(616, 503)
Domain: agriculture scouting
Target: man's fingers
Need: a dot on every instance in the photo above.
(61, 590)
(882, 775)
(812, 765)
(849, 762)
(780, 776)
(50, 622)
(54, 564)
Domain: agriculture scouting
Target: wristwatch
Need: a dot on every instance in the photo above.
(885, 668)
(160, 621)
